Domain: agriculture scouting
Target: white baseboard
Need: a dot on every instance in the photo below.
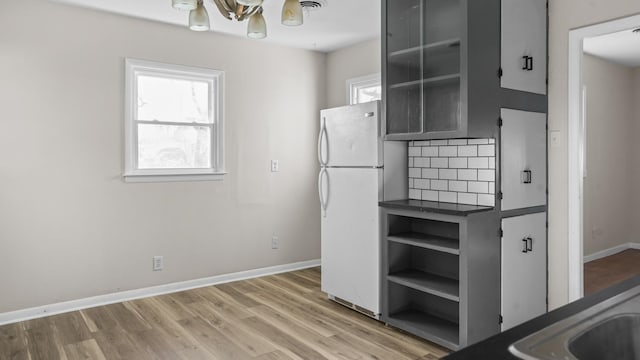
(610, 251)
(74, 305)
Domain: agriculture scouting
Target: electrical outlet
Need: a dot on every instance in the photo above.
(158, 263)
(275, 166)
(275, 242)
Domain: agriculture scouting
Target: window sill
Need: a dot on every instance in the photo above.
(136, 178)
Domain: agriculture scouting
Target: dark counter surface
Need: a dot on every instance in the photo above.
(434, 206)
(497, 347)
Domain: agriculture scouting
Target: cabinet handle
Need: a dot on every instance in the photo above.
(369, 114)
(526, 176)
(529, 243)
(527, 64)
(525, 248)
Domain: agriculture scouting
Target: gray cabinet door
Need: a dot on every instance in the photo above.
(523, 159)
(524, 275)
(524, 45)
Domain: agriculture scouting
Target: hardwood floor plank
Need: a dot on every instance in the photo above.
(88, 349)
(277, 317)
(602, 273)
(13, 342)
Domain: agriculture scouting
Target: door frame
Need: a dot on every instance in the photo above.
(576, 142)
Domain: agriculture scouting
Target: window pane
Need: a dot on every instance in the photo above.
(176, 100)
(369, 93)
(179, 147)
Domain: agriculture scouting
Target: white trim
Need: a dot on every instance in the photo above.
(362, 81)
(74, 305)
(575, 146)
(134, 178)
(611, 251)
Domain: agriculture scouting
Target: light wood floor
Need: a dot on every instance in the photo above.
(602, 273)
(282, 316)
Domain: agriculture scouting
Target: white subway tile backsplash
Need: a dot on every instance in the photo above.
(447, 196)
(431, 151)
(439, 185)
(468, 150)
(458, 186)
(454, 170)
(468, 198)
(439, 163)
(448, 151)
(486, 175)
(421, 184)
(458, 142)
(478, 187)
(486, 150)
(414, 194)
(467, 174)
(415, 151)
(429, 173)
(458, 163)
(486, 200)
(422, 162)
(429, 195)
(479, 163)
(448, 174)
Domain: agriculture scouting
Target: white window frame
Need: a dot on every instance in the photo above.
(361, 82)
(215, 79)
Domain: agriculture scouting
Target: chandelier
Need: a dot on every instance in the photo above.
(239, 10)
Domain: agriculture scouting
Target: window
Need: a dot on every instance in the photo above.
(364, 89)
(173, 122)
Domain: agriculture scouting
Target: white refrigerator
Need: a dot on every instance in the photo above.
(352, 178)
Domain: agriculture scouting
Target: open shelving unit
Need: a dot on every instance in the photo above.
(433, 275)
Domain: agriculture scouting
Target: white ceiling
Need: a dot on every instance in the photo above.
(338, 24)
(622, 47)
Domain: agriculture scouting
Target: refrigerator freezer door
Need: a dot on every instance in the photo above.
(350, 236)
(350, 136)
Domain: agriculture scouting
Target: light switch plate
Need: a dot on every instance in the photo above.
(275, 166)
(554, 138)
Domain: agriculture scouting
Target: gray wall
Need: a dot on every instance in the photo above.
(71, 228)
(351, 62)
(609, 187)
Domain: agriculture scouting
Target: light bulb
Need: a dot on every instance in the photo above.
(292, 13)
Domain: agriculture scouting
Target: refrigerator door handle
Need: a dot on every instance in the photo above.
(321, 136)
(323, 201)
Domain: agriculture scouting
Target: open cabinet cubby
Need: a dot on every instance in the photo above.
(435, 269)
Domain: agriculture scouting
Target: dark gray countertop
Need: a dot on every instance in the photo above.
(435, 207)
(497, 347)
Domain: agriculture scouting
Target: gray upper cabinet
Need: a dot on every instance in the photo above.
(443, 76)
(524, 45)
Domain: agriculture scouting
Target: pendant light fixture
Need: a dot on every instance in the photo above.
(199, 18)
(240, 10)
(185, 4)
(257, 28)
(292, 13)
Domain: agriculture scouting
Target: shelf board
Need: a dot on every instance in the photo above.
(428, 283)
(449, 43)
(432, 242)
(438, 330)
(433, 81)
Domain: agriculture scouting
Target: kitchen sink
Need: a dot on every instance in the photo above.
(607, 331)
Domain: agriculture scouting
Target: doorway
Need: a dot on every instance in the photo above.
(578, 139)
